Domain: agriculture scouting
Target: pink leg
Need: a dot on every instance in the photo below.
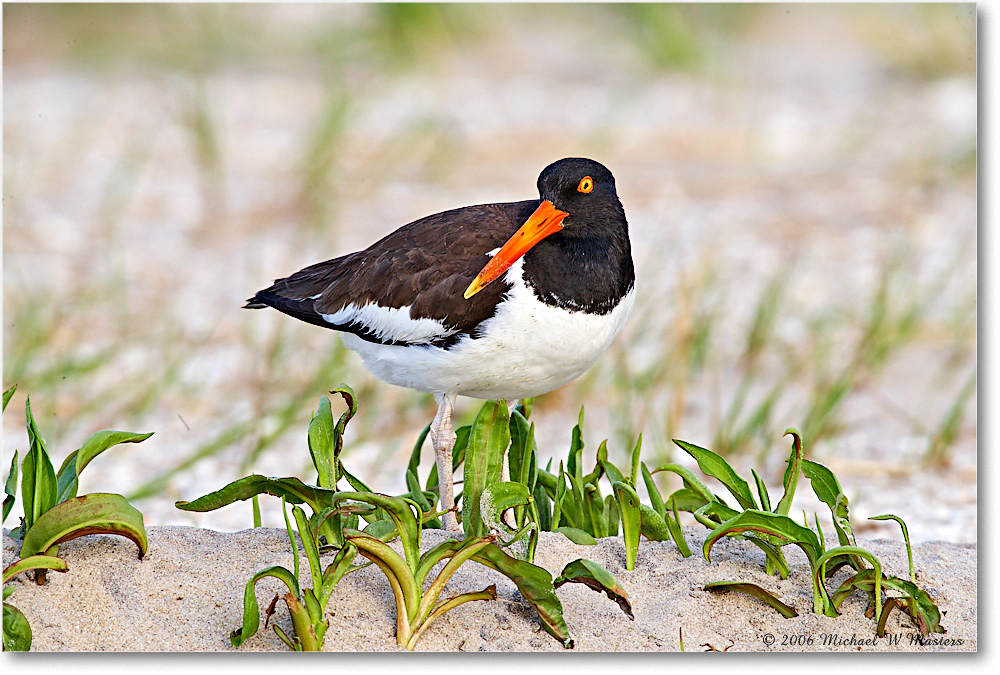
(443, 440)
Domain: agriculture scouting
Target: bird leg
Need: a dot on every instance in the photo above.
(443, 440)
(508, 515)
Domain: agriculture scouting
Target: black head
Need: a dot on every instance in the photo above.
(583, 188)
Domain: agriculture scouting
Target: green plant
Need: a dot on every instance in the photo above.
(415, 606)
(306, 606)
(336, 516)
(568, 501)
(53, 513)
(16, 629)
(332, 524)
(771, 530)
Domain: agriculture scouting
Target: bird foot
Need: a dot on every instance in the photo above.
(450, 523)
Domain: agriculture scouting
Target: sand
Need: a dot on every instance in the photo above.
(186, 595)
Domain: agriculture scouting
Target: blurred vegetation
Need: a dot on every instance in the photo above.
(921, 40)
(775, 380)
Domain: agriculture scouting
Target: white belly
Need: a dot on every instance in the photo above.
(528, 348)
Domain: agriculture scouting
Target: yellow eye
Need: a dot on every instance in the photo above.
(586, 184)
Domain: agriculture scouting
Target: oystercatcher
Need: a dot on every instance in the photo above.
(495, 301)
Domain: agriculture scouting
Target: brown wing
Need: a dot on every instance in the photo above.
(425, 266)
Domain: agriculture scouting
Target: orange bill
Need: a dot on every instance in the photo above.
(546, 220)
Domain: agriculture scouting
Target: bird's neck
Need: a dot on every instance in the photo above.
(581, 273)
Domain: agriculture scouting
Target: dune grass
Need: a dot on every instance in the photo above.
(702, 346)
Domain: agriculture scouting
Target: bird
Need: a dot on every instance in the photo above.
(494, 301)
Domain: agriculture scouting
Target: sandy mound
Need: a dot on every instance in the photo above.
(186, 595)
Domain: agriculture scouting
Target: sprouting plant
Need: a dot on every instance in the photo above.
(306, 606)
(53, 513)
(570, 501)
(771, 530)
(16, 629)
(416, 607)
(336, 516)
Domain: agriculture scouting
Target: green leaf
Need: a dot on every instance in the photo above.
(487, 442)
(828, 490)
(34, 562)
(7, 396)
(574, 463)
(765, 498)
(321, 444)
(400, 510)
(611, 508)
(559, 497)
(523, 451)
(381, 530)
(535, 584)
(822, 603)
(340, 566)
(716, 512)
(499, 497)
(414, 464)
(544, 506)
(356, 482)
(594, 503)
(251, 612)
(351, 400)
(401, 576)
(592, 575)
(309, 545)
(576, 535)
(16, 630)
(614, 474)
(415, 493)
(525, 405)
(496, 499)
(67, 480)
(756, 591)
(655, 500)
(652, 525)
(782, 528)
(824, 483)
(629, 510)
(97, 513)
(38, 478)
(291, 488)
(547, 480)
(577, 501)
(685, 499)
(791, 478)
(10, 487)
(917, 603)
(717, 467)
(635, 461)
(602, 458)
(691, 481)
(466, 549)
(676, 532)
(906, 537)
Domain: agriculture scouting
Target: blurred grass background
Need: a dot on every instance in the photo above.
(800, 182)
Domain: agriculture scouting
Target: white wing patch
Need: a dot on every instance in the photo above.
(390, 324)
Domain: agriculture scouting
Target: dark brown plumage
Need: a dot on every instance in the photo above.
(425, 265)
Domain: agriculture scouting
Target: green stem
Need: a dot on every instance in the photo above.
(485, 594)
(819, 567)
(437, 586)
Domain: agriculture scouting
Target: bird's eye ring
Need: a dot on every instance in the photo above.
(586, 184)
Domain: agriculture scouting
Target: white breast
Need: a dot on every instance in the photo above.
(528, 348)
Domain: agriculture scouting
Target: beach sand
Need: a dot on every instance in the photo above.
(187, 595)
